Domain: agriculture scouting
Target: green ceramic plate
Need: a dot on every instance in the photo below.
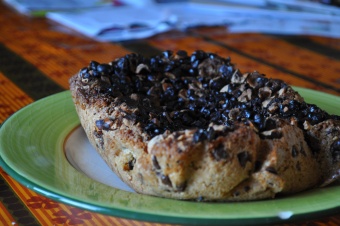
(32, 152)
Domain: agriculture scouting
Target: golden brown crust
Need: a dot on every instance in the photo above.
(243, 162)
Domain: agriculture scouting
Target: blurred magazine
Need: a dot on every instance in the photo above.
(127, 22)
(110, 23)
(41, 7)
(134, 19)
(292, 17)
(313, 6)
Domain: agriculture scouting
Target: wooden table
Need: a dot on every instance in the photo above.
(37, 57)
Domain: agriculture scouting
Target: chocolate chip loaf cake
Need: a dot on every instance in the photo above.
(194, 127)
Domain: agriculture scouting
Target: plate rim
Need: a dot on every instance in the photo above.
(160, 218)
(118, 212)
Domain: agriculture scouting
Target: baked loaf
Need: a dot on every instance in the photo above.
(194, 127)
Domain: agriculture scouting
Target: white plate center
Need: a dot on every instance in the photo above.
(82, 156)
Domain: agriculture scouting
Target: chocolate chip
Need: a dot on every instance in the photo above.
(258, 165)
(294, 105)
(246, 114)
(132, 163)
(166, 180)
(217, 83)
(226, 71)
(243, 158)
(210, 132)
(98, 133)
(259, 120)
(153, 129)
(100, 124)
(274, 85)
(198, 56)
(104, 68)
(181, 187)
(269, 124)
(129, 165)
(84, 73)
(182, 53)
(203, 88)
(220, 153)
(93, 65)
(255, 79)
(167, 53)
(271, 169)
(155, 163)
(199, 136)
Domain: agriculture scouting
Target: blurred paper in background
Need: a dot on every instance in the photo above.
(41, 7)
(134, 19)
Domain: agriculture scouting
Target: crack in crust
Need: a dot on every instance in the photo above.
(194, 127)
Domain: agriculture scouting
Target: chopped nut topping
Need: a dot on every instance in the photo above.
(307, 125)
(272, 134)
(265, 93)
(202, 91)
(141, 67)
(237, 78)
(224, 89)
